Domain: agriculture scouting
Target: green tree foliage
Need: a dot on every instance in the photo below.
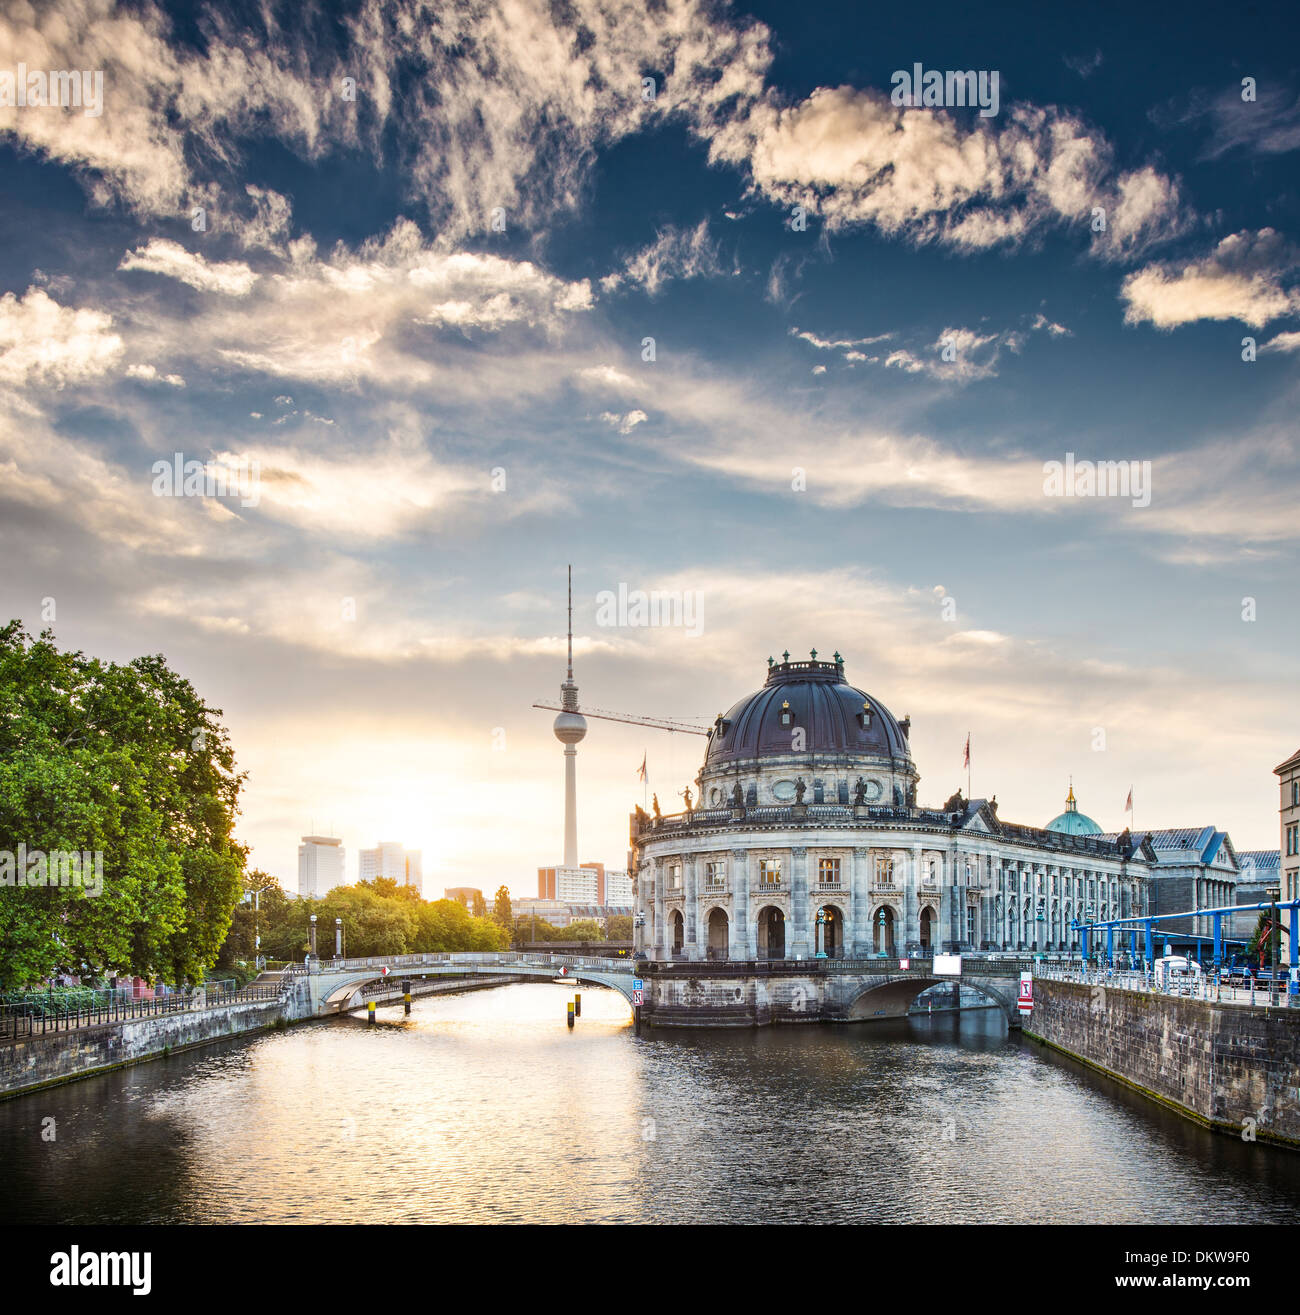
(501, 912)
(1260, 949)
(374, 923)
(128, 761)
(479, 907)
(618, 927)
(583, 929)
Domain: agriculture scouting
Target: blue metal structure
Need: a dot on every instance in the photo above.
(1085, 929)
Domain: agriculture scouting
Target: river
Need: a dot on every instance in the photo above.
(483, 1107)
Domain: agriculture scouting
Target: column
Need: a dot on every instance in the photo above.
(691, 908)
(943, 932)
(660, 875)
(740, 946)
(911, 929)
(859, 871)
(800, 944)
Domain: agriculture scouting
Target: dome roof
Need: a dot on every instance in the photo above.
(816, 697)
(1072, 822)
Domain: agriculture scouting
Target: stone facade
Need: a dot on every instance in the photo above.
(1219, 1064)
(766, 872)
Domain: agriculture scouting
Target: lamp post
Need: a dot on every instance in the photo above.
(311, 953)
(884, 949)
(821, 934)
(1274, 937)
(338, 938)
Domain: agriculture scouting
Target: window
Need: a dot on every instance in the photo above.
(884, 871)
(930, 874)
(769, 872)
(828, 871)
(675, 877)
(970, 923)
(715, 873)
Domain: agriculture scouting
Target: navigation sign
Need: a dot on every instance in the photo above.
(638, 984)
(638, 996)
(1025, 1004)
(905, 963)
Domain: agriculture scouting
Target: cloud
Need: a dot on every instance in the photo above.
(1267, 125)
(625, 424)
(44, 343)
(371, 313)
(1283, 342)
(930, 176)
(161, 256)
(149, 374)
(169, 110)
(1241, 279)
(675, 254)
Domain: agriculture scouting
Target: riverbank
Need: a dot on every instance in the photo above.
(1232, 1068)
(43, 1060)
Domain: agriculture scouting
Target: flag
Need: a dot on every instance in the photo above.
(966, 759)
(1128, 803)
(640, 771)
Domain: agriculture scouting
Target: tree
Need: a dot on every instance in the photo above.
(126, 764)
(618, 927)
(584, 929)
(1260, 948)
(501, 908)
(479, 906)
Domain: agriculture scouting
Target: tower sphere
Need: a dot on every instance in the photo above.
(570, 727)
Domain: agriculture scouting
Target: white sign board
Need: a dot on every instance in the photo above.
(947, 965)
(638, 997)
(905, 963)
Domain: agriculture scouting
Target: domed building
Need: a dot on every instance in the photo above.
(808, 840)
(1072, 822)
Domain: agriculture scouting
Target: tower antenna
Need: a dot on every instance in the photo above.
(570, 625)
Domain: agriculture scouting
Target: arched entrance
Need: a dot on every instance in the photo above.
(832, 938)
(771, 933)
(927, 928)
(677, 926)
(882, 930)
(719, 934)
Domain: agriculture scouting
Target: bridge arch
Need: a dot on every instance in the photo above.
(892, 996)
(334, 991)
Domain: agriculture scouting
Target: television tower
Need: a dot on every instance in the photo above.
(570, 727)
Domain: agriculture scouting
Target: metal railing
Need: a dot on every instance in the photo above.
(34, 1018)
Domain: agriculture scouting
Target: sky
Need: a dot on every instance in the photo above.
(694, 297)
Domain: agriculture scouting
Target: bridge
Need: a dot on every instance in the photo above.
(680, 993)
(334, 986)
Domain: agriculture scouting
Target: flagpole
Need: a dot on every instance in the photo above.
(968, 794)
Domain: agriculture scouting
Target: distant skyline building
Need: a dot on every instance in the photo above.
(463, 895)
(618, 890)
(320, 865)
(583, 884)
(389, 859)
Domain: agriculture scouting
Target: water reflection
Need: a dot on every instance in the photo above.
(484, 1107)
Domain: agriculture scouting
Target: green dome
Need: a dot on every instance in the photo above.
(1072, 822)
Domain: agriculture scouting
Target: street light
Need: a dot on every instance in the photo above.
(821, 935)
(1274, 893)
(311, 953)
(884, 949)
(338, 938)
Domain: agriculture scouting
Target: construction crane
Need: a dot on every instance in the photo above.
(655, 723)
